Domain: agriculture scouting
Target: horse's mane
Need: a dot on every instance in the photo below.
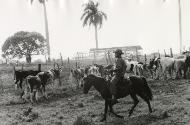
(97, 78)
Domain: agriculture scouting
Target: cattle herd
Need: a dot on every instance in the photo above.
(37, 80)
(157, 68)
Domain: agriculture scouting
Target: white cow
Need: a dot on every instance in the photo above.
(166, 64)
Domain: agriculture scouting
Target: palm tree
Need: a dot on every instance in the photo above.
(43, 2)
(180, 24)
(92, 15)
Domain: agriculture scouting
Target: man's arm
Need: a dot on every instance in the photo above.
(118, 66)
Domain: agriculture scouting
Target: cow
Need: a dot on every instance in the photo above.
(20, 75)
(100, 69)
(93, 69)
(33, 84)
(181, 63)
(153, 66)
(134, 67)
(77, 75)
(36, 84)
(50, 76)
(187, 61)
(166, 64)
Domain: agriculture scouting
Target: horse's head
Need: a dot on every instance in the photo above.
(86, 84)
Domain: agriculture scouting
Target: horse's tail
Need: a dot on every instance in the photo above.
(147, 89)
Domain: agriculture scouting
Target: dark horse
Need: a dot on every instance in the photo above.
(133, 86)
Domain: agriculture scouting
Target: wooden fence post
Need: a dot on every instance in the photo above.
(159, 55)
(145, 59)
(61, 59)
(46, 59)
(171, 53)
(106, 58)
(68, 62)
(59, 77)
(22, 67)
(39, 67)
(125, 53)
(109, 58)
(54, 63)
(78, 60)
(137, 55)
(94, 61)
(164, 53)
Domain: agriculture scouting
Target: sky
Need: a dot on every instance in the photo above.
(153, 24)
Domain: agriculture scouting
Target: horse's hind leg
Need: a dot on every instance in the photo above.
(112, 111)
(149, 106)
(136, 101)
(147, 101)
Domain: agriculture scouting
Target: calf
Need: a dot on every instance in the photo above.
(36, 83)
(33, 84)
(20, 75)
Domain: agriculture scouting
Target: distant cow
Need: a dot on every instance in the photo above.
(77, 75)
(20, 75)
(166, 64)
(187, 61)
(153, 66)
(181, 64)
(92, 70)
(48, 77)
(134, 67)
(100, 69)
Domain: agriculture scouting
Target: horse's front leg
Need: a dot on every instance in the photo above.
(112, 111)
(105, 111)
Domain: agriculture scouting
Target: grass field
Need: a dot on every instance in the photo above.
(68, 106)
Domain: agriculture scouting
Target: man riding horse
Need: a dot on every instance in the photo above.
(120, 68)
